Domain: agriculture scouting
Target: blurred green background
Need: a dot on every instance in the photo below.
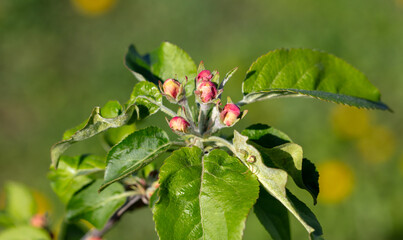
(59, 59)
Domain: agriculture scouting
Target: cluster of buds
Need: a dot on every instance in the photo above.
(207, 95)
(206, 88)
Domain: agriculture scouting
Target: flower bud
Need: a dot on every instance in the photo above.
(204, 75)
(207, 91)
(39, 221)
(171, 88)
(179, 124)
(230, 114)
(94, 238)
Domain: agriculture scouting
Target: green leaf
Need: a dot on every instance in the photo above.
(305, 72)
(73, 174)
(96, 207)
(20, 203)
(266, 136)
(24, 233)
(72, 231)
(111, 109)
(93, 126)
(134, 152)
(274, 181)
(168, 61)
(5, 220)
(115, 135)
(287, 156)
(150, 91)
(273, 216)
(203, 196)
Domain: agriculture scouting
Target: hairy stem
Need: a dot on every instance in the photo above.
(204, 108)
(221, 142)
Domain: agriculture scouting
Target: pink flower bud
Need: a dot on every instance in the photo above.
(171, 88)
(94, 238)
(179, 124)
(207, 91)
(38, 220)
(204, 75)
(230, 114)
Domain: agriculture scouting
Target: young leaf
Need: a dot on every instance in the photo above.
(273, 216)
(96, 207)
(111, 109)
(278, 151)
(24, 233)
(20, 203)
(168, 61)
(305, 72)
(274, 181)
(266, 136)
(93, 126)
(134, 152)
(73, 174)
(145, 107)
(203, 197)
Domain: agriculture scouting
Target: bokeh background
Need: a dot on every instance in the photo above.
(59, 59)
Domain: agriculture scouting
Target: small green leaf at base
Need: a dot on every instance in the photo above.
(203, 197)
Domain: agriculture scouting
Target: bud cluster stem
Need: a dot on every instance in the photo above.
(204, 108)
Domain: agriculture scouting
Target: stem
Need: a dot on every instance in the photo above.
(202, 117)
(221, 141)
(163, 108)
(131, 201)
(188, 113)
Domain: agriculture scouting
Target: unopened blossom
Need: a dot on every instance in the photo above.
(171, 88)
(207, 91)
(179, 124)
(204, 75)
(230, 114)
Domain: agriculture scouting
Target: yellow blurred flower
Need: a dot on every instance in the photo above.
(378, 145)
(336, 181)
(350, 122)
(93, 7)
